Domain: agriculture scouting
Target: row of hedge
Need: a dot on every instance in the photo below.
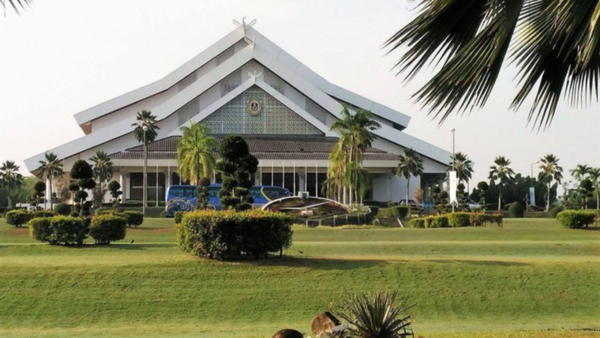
(230, 234)
(457, 219)
(577, 219)
(134, 218)
(67, 230)
(20, 217)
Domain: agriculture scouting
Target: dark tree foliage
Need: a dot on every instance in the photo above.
(203, 196)
(81, 169)
(517, 190)
(115, 190)
(236, 166)
(40, 189)
(82, 172)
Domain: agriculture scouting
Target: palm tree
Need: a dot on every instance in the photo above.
(356, 135)
(549, 170)
(50, 168)
(10, 178)
(580, 171)
(103, 170)
(145, 132)
(195, 152)
(410, 164)
(15, 4)
(501, 172)
(554, 44)
(595, 178)
(462, 165)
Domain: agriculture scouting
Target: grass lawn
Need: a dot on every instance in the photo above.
(530, 278)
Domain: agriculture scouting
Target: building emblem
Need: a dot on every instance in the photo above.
(254, 107)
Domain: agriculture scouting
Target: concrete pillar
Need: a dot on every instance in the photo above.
(48, 195)
(123, 183)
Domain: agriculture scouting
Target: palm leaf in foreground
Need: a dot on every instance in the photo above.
(379, 315)
(554, 43)
(16, 5)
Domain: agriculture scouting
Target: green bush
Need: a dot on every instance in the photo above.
(108, 228)
(43, 213)
(18, 217)
(40, 229)
(459, 219)
(516, 210)
(230, 234)
(477, 219)
(74, 214)
(62, 209)
(557, 209)
(576, 219)
(178, 216)
(58, 230)
(417, 223)
(398, 211)
(105, 211)
(440, 221)
(134, 218)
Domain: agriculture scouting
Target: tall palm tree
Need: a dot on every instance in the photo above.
(10, 178)
(145, 132)
(410, 164)
(195, 152)
(549, 171)
(103, 169)
(580, 171)
(554, 44)
(462, 165)
(50, 168)
(356, 135)
(502, 172)
(595, 178)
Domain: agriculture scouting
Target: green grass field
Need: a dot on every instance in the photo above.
(530, 278)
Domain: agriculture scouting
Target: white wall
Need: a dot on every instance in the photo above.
(393, 188)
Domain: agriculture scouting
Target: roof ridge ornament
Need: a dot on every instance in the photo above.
(246, 26)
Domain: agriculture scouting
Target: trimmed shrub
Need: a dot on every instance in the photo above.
(478, 219)
(108, 228)
(18, 217)
(74, 214)
(439, 222)
(178, 216)
(459, 219)
(417, 223)
(40, 229)
(497, 218)
(105, 211)
(229, 234)
(398, 211)
(134, 218)
(429, 222)
(576, 219)
(43, 213)
(62, 209)
(516, 210)
(557, 209)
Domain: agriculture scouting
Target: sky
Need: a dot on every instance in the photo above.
(63, 56)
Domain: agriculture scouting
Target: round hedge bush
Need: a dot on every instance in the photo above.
(67, 230)
(62, 209)
(134, 218)
(515, 210)
(18, 217)
(576, 219)
(108, 228)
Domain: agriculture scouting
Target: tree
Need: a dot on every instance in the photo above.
(195, 152)
(82, 172)
(40, 190)
(501, 172)
(10, 178)
(203, 198)
(356, 135)
(237, 166)
(410, 164)
(595, 178)
(115, 191)
(580, 172)
(554, 44)
(51, 167)
(103, 172)
(462, 165)
(145, 132)
(549, 171)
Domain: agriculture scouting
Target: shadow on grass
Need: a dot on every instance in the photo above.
(122, 246)
(483, 262)
(309, 262)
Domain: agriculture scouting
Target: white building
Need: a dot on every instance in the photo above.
(246, 85)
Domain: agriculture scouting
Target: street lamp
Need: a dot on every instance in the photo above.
(145, 183)
(453, 161)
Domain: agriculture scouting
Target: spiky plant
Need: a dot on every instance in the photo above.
(377, 315)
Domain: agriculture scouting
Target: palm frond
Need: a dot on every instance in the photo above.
(17, 5)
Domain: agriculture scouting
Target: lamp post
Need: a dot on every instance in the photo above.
(145, 183)
(453, 160)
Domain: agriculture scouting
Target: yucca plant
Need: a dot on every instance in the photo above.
(377, 315)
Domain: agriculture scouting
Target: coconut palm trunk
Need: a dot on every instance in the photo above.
(50, 191)
(407, 189)
(548, 199)
(145, 183)
(500, 198)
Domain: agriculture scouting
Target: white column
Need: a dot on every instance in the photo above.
(48, 194)
(295, 178)
(305, 188)
(316, 179)
(122, 179)
(272, 173)
(283, 174)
